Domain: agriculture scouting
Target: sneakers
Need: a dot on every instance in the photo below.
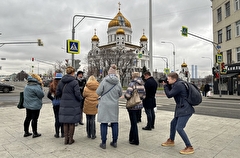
(169, 142)
(26, 134)
(187, 150)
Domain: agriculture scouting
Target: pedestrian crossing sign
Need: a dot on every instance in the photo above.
(73, 46)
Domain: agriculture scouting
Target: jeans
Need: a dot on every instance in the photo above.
(58, 125)
(178, 124)
(104, 128)
(150, 117)
(133, 134)
(31, 115)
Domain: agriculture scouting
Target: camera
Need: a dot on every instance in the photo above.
(163, 79)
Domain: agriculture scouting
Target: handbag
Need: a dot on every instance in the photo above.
(56, 102)
(134, 100)
(21, 100)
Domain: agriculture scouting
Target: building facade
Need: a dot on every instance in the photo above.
(119, 50)
(226, 33)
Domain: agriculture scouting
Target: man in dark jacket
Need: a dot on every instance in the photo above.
(149, 103)
(183, 111)
(81, 82)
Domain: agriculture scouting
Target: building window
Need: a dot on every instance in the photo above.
(238, 54)
(229, 56)
(220, 36)
(237, 4)
(228, 32)
(219, 14)
(238, 28)
(227, 9)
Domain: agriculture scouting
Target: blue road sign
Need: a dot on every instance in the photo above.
(73, 46)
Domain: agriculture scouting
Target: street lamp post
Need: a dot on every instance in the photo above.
(164, 59)
(173, 54)
(74, 26)
(210, 68)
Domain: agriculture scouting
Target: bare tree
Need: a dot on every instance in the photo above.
(100, 62)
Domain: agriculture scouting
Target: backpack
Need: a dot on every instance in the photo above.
(194, 97)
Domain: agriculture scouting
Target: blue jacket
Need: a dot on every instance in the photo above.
(69, 92)
(179, 92)
(33, 94)
(151, 88)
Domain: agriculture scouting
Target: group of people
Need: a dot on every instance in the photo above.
(92, 97)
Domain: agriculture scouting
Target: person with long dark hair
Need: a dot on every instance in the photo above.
(52, 96)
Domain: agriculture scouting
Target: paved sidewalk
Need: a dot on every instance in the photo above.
(210, 136)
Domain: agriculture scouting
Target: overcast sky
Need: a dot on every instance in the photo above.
(51, 21)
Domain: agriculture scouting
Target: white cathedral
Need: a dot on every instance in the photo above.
(119, 50)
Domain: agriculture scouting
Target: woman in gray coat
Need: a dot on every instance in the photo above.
(110, 91)
(69, 113)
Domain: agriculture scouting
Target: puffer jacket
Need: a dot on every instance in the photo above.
(33, 94)
(139, 85)
(108, 110)
(69, 92)
(91, 98)
(179, 92)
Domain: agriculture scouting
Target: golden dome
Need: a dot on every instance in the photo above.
(143, 38)
(120, 31)
(119, 20)
(95, 38)
(184, 64)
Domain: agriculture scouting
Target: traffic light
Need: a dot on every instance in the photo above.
(32, 59)
(40, 42)
(223, 70)
(66, 62)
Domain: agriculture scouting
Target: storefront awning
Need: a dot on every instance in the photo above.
(229, 75)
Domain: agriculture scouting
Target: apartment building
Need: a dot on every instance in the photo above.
(226, 32)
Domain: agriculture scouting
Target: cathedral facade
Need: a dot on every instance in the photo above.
(119, 50)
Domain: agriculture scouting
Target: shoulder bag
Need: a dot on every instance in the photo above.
(21, 100)
(134, 100)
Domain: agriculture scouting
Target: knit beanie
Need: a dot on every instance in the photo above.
(112, 69)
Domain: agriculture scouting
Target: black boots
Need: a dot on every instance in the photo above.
(36, 134)
(26, 134)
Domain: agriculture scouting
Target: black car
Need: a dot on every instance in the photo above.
(6, 88)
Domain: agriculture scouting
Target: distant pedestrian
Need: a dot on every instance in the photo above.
(110, 90)
(202, 90)
(90, 105)
(52, 95)
(149, 103)
(69, 113)
(206, 89)
(183, 111)
(136, 83)
(33, 95)
(81, 82)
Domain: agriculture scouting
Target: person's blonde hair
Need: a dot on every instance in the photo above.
(91, 78)
(135, 74)
(70, 70)
(36, 76)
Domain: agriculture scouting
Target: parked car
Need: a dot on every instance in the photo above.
(6, 88)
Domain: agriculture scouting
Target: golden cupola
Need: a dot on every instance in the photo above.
(95, 37)
(120, 31)
(184, 64)
(143, 38)
(119, 20)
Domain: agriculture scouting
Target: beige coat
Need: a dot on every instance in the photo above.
(91, 98)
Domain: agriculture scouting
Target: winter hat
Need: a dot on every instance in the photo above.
(79, 72)
(112, 69)
(58, 76)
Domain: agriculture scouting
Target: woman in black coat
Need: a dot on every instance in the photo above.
(69, 113)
